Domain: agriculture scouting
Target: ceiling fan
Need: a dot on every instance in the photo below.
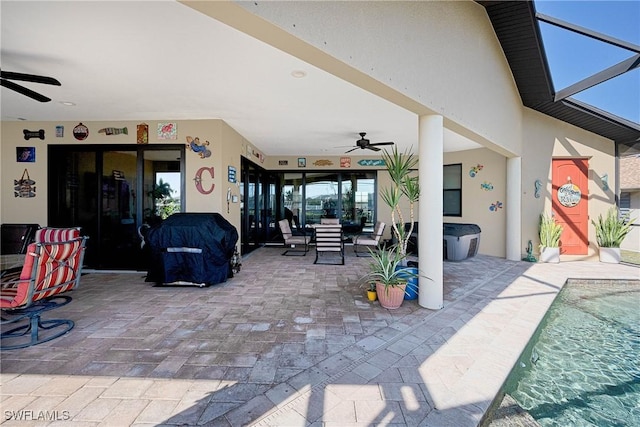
(365, 143)
(7, 76)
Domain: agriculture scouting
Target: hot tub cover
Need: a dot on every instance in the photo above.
(459, 230)
(191, 247)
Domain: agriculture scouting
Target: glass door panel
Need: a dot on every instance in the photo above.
(321, 196)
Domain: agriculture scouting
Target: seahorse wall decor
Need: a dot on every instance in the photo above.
(538, 186)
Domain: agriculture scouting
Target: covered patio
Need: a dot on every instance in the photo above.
(286, 342)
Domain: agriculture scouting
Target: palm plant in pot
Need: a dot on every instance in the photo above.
(610, 232)
(388, 276)
(550, 232)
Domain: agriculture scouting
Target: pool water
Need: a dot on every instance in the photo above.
(582, 367)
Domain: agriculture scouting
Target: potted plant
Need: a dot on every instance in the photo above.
(371, 292)
(399, 166)
(610, 232)
(388, 276)
(550, 232)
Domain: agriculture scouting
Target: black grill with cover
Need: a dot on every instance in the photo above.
(191, 248)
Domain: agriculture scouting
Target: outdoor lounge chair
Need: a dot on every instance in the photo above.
(50, 270)
(291, 241)
(368, 240)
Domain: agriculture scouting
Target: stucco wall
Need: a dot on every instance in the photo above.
(225, 144)
(545, 138)
(443, 55)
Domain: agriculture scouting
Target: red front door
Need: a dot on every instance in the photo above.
(570, 194)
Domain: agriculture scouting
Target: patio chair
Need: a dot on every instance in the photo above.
(53, 234)
(368, 240)
(329, 241)
(50, 270)
(291, 241)
(331, 221)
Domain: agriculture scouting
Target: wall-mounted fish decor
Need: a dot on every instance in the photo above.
(25, 186)
(114, 131)
(323, 162)
(486, 186)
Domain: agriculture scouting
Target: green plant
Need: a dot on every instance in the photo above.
(386, 268)
(550, 232)
(399, 166)
(611, 230)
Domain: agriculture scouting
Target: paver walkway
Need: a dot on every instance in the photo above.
(285, 343)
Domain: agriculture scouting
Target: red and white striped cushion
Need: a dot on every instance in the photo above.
(50, 234)
(56, 264)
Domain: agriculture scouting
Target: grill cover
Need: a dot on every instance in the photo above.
(191, 247)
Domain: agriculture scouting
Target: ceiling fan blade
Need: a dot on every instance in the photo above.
(29, 78)
(383, 143)
(369, 147)
(24, 91)
(348, 151)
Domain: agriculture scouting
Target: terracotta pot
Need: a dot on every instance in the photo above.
(372, 295)
(390, 297)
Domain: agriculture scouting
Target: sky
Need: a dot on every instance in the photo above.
(573, 57)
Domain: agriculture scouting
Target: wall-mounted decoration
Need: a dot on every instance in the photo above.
(258, 155)
(495, 206)
(569, 194)
(323, 162)
(26, 154)
(28, 134)
(474, 170)
(198, 180)
(200, 148)
(142, 133)
(371, 162)
(302, 162)
(345, 162)
(283, 162)
(59, 131)
(80, 132)
(605, 182)
(114, 131)
(538, 187)
(231, 174)
(486, 186)
(167, 131)
(25, 186)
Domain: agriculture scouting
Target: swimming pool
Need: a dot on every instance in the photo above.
(582, 366)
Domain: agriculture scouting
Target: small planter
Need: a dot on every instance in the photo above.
(372, 295)
(390, 297)
(550, 255)
(610, 255)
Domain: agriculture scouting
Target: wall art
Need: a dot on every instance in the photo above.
(114, 131)
(302, 162)
(605, 182)
(495, 206)
(80, 132)
(345, 162)
(231, 174)
(323, 162)
(59, 131)
(26, 154)
(283, 162)
(25, 186)
(198, 180)
(142, 133)
(28, 134)
(474, 170)
(538, 187)
(167, 131)
(200, 148)
(486, 186)
(371, 162)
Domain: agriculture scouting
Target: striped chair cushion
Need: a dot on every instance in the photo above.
(50, 234)
(56, 270)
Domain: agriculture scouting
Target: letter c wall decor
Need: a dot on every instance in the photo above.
(198, 180)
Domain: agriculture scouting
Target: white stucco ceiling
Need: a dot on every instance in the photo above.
(162, 60)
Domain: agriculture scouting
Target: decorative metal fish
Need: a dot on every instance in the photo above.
(114, 131)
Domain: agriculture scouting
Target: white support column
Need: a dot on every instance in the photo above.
(514, 209)
(431, 157)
